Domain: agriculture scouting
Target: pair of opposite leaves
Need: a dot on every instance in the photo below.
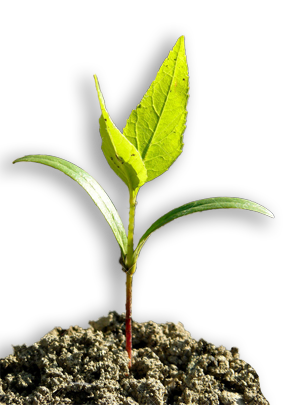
(150, 143)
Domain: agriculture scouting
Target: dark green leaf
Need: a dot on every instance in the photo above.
(199, 206)
(98, 195)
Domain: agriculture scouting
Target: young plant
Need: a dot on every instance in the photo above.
(150, 143)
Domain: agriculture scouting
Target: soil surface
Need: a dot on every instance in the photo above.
(90, 366)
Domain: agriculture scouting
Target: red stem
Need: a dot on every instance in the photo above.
(128, 328)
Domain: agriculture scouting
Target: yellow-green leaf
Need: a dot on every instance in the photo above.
(156, 127)
(121, 155)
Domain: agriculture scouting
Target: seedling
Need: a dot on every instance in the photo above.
(150, 143)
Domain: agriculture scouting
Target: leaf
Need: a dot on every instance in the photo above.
(156, 127)
(121, 155)
(199, 206)
(98, 195)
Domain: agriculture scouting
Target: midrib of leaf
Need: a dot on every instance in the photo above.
(160, 116)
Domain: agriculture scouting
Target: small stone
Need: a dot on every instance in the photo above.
(230, 398)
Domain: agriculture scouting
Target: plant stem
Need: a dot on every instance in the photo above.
(128, 328)
(131, 267)
(131, 226)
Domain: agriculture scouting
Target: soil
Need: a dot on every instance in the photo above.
(90, 366)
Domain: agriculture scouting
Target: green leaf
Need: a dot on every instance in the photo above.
(121, 155)
(98, 195)
(156, 127)
(199, 206)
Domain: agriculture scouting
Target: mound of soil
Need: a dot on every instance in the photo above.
(90, 366)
